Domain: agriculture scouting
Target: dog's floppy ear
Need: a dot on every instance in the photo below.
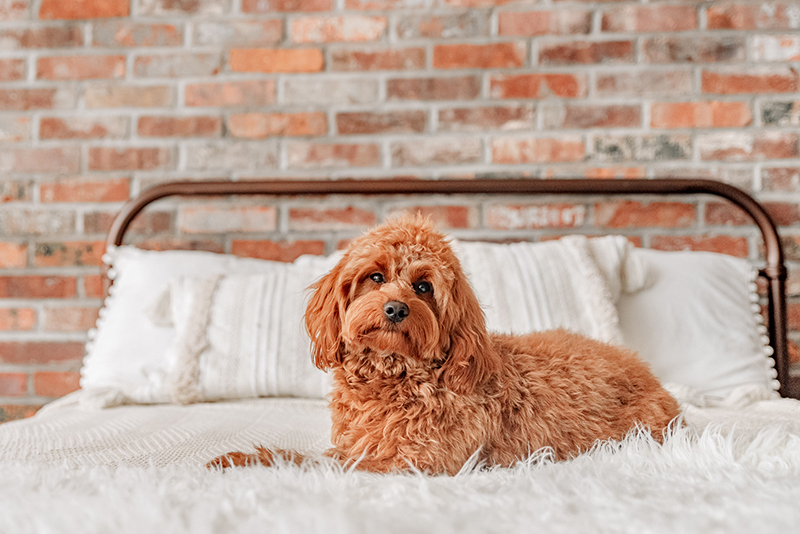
(324, 318)
(470, 357)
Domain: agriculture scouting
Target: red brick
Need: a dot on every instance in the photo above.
(478, 3)
(574, 116)
(124, 33)
(750, 80)
(286, 251)
(534, 216)
(330, 218)
(700, 114)
(55, 383)
(12, 70)
(583, 52)
(462, 88)
(80, 67)
(13, 384)
(504, 118)
(723, 244)
(793, 315)
(28, 99)
(86, 190)
(124, 96)
(286, 6)
(147, 223)
(238, 33)
(177, 65)
(231, 94)
(93, 285)
(114, 159)
(634, 214)
(307, 155)
(538, 86)
(17, 319)
(371, 60)
(644, 82)
(758, 16)
(745, 146)
(450, 217)
(84, 9)
(37, 287)
(15, 412)
(436, 151)
(160, 126)
(172, 243)
(276, 60)
(83, 127)
(263, 125)
(70, 318)
(781, 179)
(69, 254)
(533, 23)
(487, 56)
(514, 150)
(459, 25)
(696, 49)
(362, 122)
(44, 37)
(35, 160)
(329, 29)
(215, 220)
(721, 213)
(650, 18)
(13, 255)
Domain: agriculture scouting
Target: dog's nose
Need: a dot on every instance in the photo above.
(395, 311)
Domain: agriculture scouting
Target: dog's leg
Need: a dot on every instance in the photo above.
(263, 456)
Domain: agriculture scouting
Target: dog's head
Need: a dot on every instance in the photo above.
(399, 294)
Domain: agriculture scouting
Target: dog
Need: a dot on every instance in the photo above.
(418, 381)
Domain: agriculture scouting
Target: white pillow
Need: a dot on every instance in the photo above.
(697, 323)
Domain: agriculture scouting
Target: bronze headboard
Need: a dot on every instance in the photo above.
(774, 271)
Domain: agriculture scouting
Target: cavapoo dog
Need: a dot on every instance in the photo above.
(418, 381)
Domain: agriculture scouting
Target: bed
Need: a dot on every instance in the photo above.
(121, 455)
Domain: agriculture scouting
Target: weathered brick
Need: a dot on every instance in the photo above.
(85, 190)
(124, 33)
(286, 251)
(83, 127)
(147, 223)
(93, 285)
(714, 114)
(781, 113)
(70, 318)
(55, 383)
(13, 384)
(84, 9)
(69, 254)
(634, 214)
(330, 218)
(231, 94)
(80, 67)
(37, 287)
(34, 160)
(781, 178)
(17, 319)
(179, 126)
(514, 150)
(36, 222)
(177, 65)
(14, 129)
(286, 6)
(333, 29)
(15, 412)
(531, 23)
(362, 122)
(12, 70)
(174, 243)
(13, 255)
(649, 18)
(308, 155)
(538, 86)
(238, 155)
(587, 116)
(776, 47)
(750, 80)
(746, 146)
(461, 88)
(477, 3)
(725, 214)
(584, 52)
(370, 60)
(15, 10)
(123, 96)
(449, 217)
(63, 36)
(644, 82)
(535, 216)
(321, 91)
(758, 16)
(238, 33)
(276, 60)
(136, 159)
(15, 190)
(263, 125)
(471, 23)
(659, 147)
(503, 118)
(722, 244)
(479, 56)
(695, 49)
(227, 219)
(29, 99)
(178, 8)
(436, 151)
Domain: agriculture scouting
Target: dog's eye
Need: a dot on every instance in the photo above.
(376, 277)
(421, 287)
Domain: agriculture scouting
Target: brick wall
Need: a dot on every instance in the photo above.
(101, 98)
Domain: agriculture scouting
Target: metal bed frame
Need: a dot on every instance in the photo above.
(774, 271)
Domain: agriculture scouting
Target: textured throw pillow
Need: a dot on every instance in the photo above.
(697, 322)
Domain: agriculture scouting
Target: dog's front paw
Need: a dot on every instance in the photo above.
(233, 459)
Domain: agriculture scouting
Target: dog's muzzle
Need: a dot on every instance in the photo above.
(395, 311)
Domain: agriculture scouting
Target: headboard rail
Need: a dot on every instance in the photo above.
(774, 270)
